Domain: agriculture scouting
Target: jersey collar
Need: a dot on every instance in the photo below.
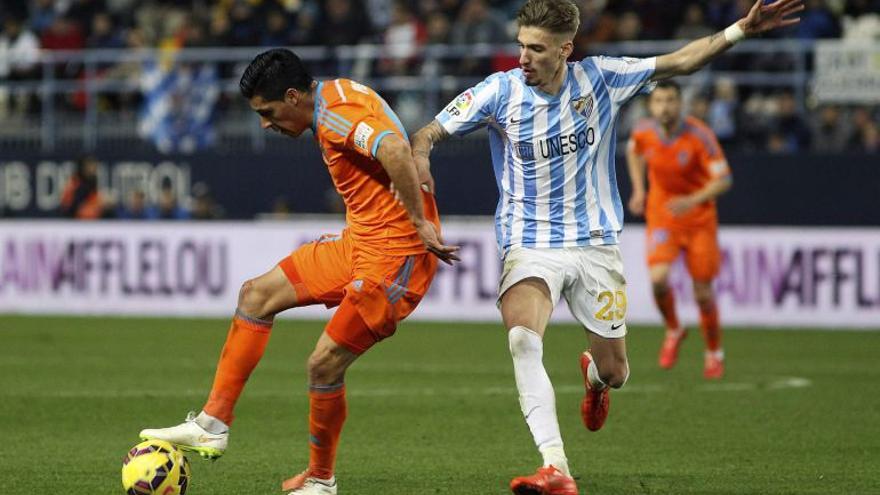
(565, 83)
(317, 105)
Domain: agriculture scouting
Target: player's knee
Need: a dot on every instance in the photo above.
(252, 299)
(704, 296)
(660, 287)
(323, 368)
(523, 341)
(615, 376)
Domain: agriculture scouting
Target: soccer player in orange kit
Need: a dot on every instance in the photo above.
(687, 170)
(377, 270)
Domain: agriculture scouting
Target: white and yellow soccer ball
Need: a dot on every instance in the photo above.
(155, 467)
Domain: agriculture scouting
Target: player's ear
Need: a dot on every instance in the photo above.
(567, 48)
(291, 96)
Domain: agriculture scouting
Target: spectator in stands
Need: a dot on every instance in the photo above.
(19, 54)
(438, 28)
(204, 207)
(341, 22)
(82, 12)
(629, 26)
(244, 25)
(277, 32)
(42, 14)
(598, 25)
(723, 110)
(80, 197)
(817, 21)
(864, 135)
(104, 34)
(477, 24)
(135, 208)
(63, 34)
(693, 25)
(167, 207)
(699, 107)
(220, 29)
(280, 210)
(790, 125)
(830, 131)
(402, 41)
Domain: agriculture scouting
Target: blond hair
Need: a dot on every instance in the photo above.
(556, 16)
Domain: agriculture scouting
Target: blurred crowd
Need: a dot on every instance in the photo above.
(78, 24)
(777, 120)
(82, 198)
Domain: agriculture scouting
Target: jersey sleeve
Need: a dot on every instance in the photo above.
(354, 125)
(712, 157)
(626, 77)
(473, 108)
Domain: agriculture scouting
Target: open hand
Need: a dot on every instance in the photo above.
(680, 205)
(434, 244)
(762, 18)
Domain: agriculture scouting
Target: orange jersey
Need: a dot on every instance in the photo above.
(349, 124)
(679, 165)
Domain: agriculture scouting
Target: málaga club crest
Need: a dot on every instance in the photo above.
(583, 105)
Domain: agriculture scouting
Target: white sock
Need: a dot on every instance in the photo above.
(536, 397)
(555, 456)
(211, 424)
(677, 332)
(719, 354)
(593, 376)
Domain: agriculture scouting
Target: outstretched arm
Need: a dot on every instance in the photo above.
(396, 158)
(422, 144)
(760, 19)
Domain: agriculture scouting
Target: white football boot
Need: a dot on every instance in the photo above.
(303, 484)
(192, 436)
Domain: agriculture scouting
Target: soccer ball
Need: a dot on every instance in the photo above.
(155, 467)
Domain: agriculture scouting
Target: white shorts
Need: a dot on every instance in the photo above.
(590, 278)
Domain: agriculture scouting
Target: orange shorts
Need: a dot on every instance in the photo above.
(384, 289)
(700, 246)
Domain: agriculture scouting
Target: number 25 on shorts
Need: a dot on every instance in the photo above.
(613, 305)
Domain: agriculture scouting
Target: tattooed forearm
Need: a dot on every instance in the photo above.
(424, 139)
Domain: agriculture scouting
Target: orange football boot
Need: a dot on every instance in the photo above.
(546, 481)
(713, 365)
(594, 407)
(670, 347)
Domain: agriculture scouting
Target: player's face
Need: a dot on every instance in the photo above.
(541, 54)
(665, 105)
(280, 116)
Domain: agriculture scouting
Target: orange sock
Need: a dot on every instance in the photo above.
(710, 325)
(327, 412)
(244, 347)
(666, 304)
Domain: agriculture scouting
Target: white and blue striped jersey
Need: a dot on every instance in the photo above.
(553, 156)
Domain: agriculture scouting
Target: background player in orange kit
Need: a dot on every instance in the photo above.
(376, 270)
(686, 170)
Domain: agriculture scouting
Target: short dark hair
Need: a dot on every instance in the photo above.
(669, 84)
(272, 72)
(556, 16)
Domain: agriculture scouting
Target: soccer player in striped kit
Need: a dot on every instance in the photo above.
(552, 138)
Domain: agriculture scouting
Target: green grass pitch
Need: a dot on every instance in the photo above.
(434, 410)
